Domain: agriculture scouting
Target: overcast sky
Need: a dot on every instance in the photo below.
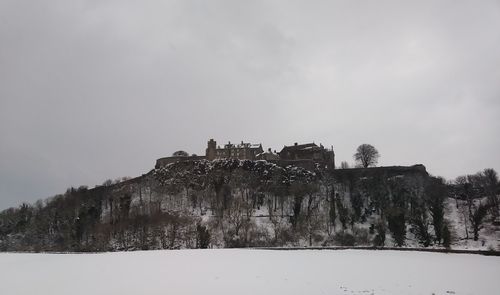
(91, 90)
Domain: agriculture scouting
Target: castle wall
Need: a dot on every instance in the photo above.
(168, 160)
(303, 163)
(388, 171)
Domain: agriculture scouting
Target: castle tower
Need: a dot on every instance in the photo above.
(211, 150)
(333, 158)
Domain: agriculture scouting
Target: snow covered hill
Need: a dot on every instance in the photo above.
(240, 204)
(238, 271)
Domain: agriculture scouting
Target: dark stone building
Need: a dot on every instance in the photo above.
(307, 155)
(242, 151)
(268, 156)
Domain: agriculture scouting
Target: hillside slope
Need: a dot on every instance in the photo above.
(233, 203)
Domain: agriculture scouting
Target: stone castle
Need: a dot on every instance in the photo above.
(308, 155)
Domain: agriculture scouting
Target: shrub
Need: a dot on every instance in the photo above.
(379, 239)
(362, 236)
(446, 235)
(344, 239)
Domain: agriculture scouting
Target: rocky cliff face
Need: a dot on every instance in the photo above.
(236, 203)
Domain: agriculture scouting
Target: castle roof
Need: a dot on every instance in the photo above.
(301, 147)
(243, 145)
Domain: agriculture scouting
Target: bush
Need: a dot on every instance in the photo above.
(379, 239)
(446, 235)
(344, 239)
(362, 236)
(397, 225)
(203, 236)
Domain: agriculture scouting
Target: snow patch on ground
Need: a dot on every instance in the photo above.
(243, 271)
(489, 236)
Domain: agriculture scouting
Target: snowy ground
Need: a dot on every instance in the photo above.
(228, 272)
(489, 236)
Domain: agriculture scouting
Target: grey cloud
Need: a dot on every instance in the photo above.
(91, 90)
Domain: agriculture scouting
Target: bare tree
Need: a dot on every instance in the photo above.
(475, 211)
(476, 217)
(366, 155)
(490, 184)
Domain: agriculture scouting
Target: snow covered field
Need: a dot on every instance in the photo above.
(228, 272)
